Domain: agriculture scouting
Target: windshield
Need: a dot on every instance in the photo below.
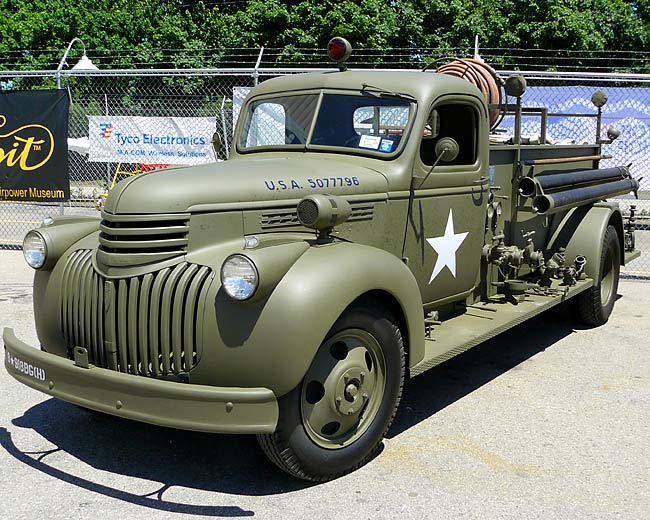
(365, 123)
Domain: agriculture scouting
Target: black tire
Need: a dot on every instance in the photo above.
(595, 305)
(303, 452)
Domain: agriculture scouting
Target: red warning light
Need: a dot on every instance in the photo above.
(339, 50)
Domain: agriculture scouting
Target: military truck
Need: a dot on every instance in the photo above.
(364, 230)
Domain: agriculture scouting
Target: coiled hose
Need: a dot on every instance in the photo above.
(482, 76)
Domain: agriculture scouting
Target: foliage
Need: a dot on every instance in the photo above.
(537, 24)
(185, 33)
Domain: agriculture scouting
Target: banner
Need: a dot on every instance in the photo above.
(33, 145)
(628, 110)
(146, 140)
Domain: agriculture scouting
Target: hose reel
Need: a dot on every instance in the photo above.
(481, 75)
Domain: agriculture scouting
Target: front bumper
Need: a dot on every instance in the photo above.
(165, 403)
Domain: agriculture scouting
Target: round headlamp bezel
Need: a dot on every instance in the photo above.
(28, 253)
(228, 287)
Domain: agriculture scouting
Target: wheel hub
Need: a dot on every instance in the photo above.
(343, 388)
(352, 390)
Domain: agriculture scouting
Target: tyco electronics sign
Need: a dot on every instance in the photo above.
(33, 145)
(170, 140)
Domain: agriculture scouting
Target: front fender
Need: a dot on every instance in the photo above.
(62, 234)
(272, 343)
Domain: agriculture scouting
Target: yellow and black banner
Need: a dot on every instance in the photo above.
(34, 145)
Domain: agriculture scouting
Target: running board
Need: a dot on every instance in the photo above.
(483, 321)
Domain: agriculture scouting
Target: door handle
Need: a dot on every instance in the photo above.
(482, 180)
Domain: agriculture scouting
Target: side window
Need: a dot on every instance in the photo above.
(458, 121)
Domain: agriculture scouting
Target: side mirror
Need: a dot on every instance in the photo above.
(447, 149)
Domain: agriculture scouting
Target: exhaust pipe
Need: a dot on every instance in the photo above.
(529, 186)
(562, 200)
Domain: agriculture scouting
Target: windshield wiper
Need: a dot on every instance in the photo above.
(379, 92)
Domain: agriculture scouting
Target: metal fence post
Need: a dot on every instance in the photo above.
(58, 86)
(256, 71)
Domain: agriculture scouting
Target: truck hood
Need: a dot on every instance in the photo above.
(242, 180)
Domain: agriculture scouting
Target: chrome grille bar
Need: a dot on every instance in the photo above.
(140, 239)
(143, 333)
(144, 325)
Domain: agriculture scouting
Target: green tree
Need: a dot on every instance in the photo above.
(182, 33)
(39, 30)
(536, 24)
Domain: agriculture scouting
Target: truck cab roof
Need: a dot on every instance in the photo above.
(423, 86)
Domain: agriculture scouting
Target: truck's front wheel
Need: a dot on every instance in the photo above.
(334, 421)
(596, 304)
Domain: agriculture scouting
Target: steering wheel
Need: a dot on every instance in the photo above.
(352, 142)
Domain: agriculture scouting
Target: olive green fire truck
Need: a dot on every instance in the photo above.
(367, 227)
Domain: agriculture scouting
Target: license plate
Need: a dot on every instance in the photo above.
(25, 368)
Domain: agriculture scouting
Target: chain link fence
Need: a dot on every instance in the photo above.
(219, 92)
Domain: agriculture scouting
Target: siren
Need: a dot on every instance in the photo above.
(339, 50)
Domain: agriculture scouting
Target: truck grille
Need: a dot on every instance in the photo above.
(145, 325)
(141, 239)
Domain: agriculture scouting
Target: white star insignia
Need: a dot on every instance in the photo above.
(446, 247)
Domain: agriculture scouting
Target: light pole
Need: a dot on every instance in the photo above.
(83, 64)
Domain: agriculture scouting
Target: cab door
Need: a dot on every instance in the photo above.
(446, 225)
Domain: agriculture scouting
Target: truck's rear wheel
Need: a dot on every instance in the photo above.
(335, 420)
(596, 304)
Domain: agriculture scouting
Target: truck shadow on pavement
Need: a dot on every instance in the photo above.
(234, 464)
(153, 500)
(167, 457)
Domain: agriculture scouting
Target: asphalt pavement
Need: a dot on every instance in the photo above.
(548, 420)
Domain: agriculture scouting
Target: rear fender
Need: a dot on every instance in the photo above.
(581, 233)
(285, 330)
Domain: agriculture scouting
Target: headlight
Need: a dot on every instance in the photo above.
(34, 249)
(239, 277)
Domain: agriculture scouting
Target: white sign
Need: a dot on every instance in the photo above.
(369, 141)
(238, 96)
(151, 140)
